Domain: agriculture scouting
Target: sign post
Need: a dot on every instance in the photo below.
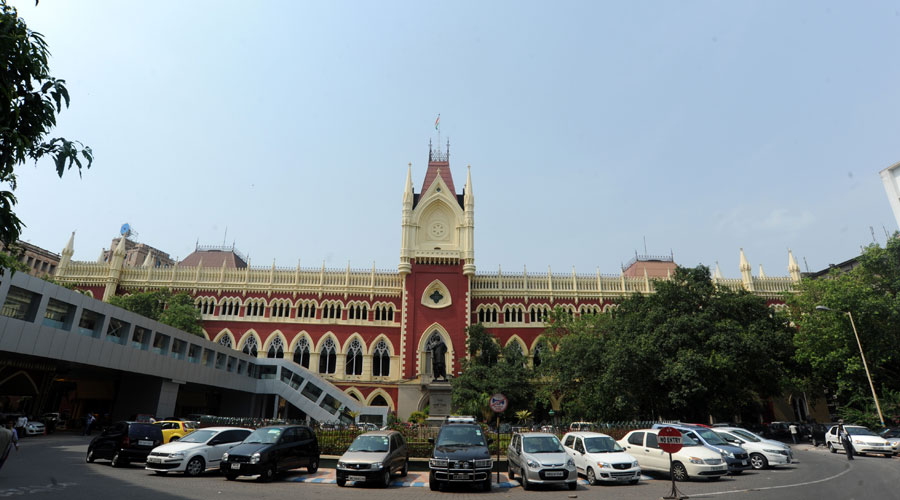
(498, 404)
(669, 440)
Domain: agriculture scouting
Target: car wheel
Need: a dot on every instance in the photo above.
(268, 474)
(510, 472)
(89, 458)
(341, 482)
(831, 448)
(194, 467)
(524, 481)
(405, 471)
(230, 477)
(385, 479)
(313, 466)
(573, 485)
(118, 461)
(591, 477)
(679, 472)
(486, 485)
(758, 461)
(433, 483)
(174, 438)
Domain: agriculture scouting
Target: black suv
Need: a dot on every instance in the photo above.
(460, 455)
(270, 450)
(125, 442)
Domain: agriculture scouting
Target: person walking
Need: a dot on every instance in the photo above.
(21, 422)
(794, 432)
(8, 439)
(88, 423)
(845, 440)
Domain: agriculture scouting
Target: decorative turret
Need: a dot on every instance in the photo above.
(116, 263)
(469, 225)
(148, 261)
(66, 255)
(405, 266)
(746, 277)
(762, 274)
(793, 268)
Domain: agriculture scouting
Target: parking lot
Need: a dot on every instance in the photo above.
(54, 467)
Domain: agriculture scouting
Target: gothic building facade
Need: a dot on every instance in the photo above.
(371, 332)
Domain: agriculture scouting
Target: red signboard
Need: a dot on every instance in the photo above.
(498, 403)
(669, 439)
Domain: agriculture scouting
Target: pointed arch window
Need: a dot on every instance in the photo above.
(250, 346)
(225, 340)
(301, 353)
(538, 354)
(379, 401)
(381, 360)
(276, 348)
(353, 365)
(327, 357)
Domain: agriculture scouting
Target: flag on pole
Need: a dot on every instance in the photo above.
(437, 123)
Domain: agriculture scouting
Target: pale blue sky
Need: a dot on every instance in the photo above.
(703, 126)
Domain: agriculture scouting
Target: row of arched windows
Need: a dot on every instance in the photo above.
(535, 314)
(282, 308)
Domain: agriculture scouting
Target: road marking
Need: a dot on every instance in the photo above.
(26, 490)
(775, 487)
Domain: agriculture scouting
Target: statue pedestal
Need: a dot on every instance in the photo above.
(439, 400)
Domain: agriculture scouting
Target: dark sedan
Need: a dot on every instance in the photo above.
(270, 450)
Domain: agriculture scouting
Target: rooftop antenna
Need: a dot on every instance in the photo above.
(645, 245)
(225, 237)
(805, 264)
(437, 126)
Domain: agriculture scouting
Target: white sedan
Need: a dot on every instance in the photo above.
(763, 454)
(196, 452)
(863, 441)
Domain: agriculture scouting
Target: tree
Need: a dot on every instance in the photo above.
(30, 99)
(176, 310)
(826, 349)
(523, 416)
(489, 370)
(688, 351)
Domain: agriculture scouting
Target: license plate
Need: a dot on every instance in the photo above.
(719, 467)
(553, 474)
(235, 466)
(623, 478)
(356, 478)
(743, 462)
(154, 460)
(144, 442)
(460, 476)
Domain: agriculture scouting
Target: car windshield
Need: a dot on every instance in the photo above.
(461, 436)
(541, 444)
(859, 431)
(601, 444)
(264, 436)
(711, 437)
(749, 436)
(891, 433)
(688, 438)
(370, 444)
(198, 437)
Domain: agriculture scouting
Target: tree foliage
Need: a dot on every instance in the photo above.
(490, 369)
(176, 310)
(30, 99)
(688, 351)
(826, 348)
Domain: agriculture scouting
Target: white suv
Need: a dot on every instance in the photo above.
(863, 441)
(600, 458)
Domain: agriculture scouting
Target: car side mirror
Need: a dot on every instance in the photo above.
(431, 440)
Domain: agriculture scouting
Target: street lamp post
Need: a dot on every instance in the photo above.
(862, 355)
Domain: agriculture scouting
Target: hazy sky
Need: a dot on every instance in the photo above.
(703, 127)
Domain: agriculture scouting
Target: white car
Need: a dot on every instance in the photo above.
(693, 460)
(762, 454)
(863, 441)
(600, 458)
(196, 452)
(34, 429)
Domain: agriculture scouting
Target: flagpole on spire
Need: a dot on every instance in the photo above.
(437, 126)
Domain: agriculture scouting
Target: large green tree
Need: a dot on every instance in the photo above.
(175, 310)
(490, 369)
(826, 348)
(30, 99)
(688, 351)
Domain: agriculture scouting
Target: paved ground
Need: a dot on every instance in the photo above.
(53, 467)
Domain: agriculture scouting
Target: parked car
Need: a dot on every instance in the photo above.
(539, 458)
(600, 458)
(460, 455)
(125, 442)
(173, 430)
(34, 428)
(862, 439)
(693, 460)
(373, 457)
(737, 458)
(199, 451)
(581, 426)
(762, 454)
(893, 436)
(270, 450)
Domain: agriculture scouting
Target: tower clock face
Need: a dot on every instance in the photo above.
(438, 230)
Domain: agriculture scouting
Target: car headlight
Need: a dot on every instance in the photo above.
(727, 454)
(635, 464)
(695, 460)
(225, 456)
(254, 458)
(604, 465)
(857, 441)
(440, 463)
(485, 463)
(176, 455)
(377, 466)
(570, 463)
(341, 465)
(533, 465)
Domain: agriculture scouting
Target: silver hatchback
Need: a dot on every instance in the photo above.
(539, 458)
(372, 458)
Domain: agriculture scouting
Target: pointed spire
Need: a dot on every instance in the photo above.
(745, 264)
(718, 274)
(120, 248)
(148, 260)
(762, 274)
(66, 255)
(408, 189)
(793, 268)
(746, 277)
(70, 246)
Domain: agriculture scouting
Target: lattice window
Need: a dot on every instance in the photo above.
(276, 348)
(250, 346)
(381, 360)
(327, 357)
(225, 340)
(306, 310)
(353, 365)
(301, 353)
